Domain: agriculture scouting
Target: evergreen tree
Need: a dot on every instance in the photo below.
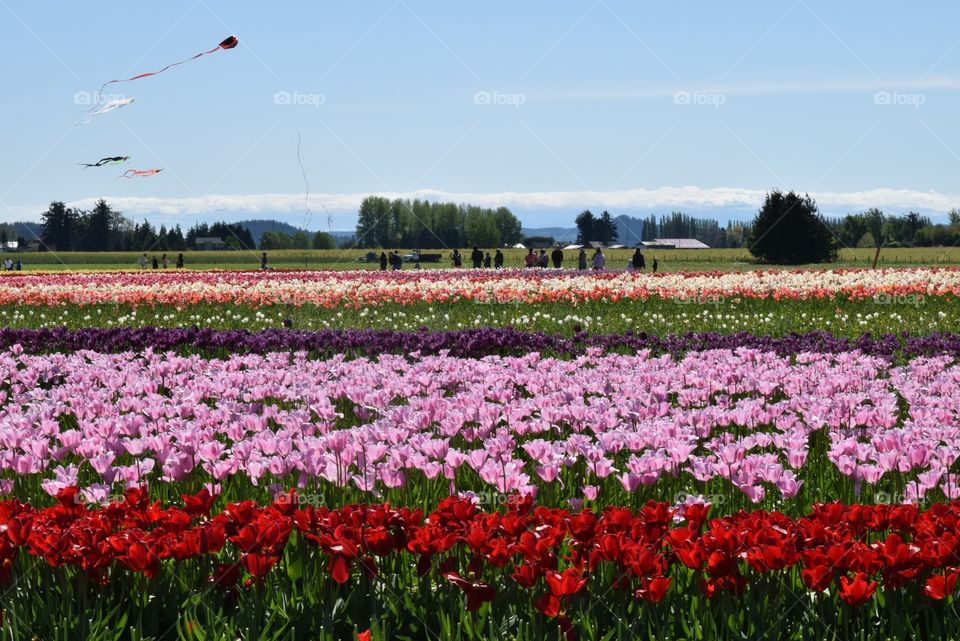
(788, 229)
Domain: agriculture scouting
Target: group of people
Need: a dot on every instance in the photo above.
(393, 260)
(481, 260)
(10, 266)
(597, 263)
(164, 261)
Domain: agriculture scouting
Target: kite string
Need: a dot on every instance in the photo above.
(306, 195)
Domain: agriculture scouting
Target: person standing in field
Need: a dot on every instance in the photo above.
(142, 261)
(156, 263)
(599, 260)
(166, 263)
(638, 262)
(383, 261)
(531, 258)
(543, 261)
(498, 260)
(179, 261)
(487, 261)
(582, 259)
(476, 257)
(557, 256)
(654, 265)
(263, 261)
(455, 257)
(19, 265)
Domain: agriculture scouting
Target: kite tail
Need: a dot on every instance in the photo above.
(227, 43)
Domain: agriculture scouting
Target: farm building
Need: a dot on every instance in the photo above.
(674, 243)
(209, 243)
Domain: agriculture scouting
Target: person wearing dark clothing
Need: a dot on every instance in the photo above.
(638, 262)
(531, 258)
(498, 260)
(457, 260)
(179, 261)
(263, 261)
(156, 263)
(582, 260)
(383, 261)
(165, 262)
(487, 261)
(476, 257)
(557, 256)
(543, 261)
(397, 261)
(654, 265)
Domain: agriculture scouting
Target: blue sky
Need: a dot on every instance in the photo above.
(543, 106)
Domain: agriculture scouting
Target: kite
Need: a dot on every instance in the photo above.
(110, 160)
(131, 173)
(228, 43)
(107, 106)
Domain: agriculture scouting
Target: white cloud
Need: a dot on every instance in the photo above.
(344, 206)
(756, 89)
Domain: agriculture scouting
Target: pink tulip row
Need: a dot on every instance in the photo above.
(355, 288)
(513, 425)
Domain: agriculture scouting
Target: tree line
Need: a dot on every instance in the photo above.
(419, 223)
(105, 229)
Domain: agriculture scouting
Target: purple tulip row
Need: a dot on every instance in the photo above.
(466, 343)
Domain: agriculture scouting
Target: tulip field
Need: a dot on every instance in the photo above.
(480, 454)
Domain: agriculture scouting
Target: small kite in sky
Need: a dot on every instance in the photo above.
(105, 107)
(131, 173)
(228, 43)
(109, 160)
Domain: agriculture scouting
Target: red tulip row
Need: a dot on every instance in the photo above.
(550, 551)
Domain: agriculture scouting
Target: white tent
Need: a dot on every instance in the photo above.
(519, 246)
(574, 247)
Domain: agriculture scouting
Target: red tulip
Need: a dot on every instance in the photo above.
(477, 593)
(940, 586)
(566, 584)
(858, 590)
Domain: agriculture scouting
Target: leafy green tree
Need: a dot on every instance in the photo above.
(508, 225)
(789, 230)
(300, 240)
(481, 229)
(323, 240)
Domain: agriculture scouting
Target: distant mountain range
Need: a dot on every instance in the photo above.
(629, 231)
